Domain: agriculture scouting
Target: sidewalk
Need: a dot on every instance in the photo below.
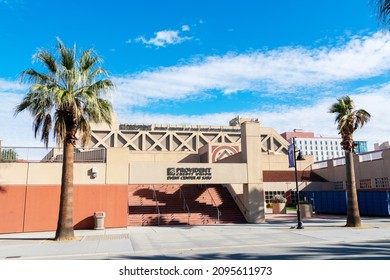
(324, 237)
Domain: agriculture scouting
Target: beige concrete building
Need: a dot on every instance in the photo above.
(150, 146)
(249, 160)
(372, 171)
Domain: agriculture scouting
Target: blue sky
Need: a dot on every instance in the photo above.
(205, 62)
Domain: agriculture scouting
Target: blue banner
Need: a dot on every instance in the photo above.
(291, 155)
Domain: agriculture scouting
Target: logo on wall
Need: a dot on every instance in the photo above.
(189, 173)
(221, 152)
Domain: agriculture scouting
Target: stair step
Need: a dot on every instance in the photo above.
(142, 206)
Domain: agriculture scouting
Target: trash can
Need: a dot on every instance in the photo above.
(99, 219)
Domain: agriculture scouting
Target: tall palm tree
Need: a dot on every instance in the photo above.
(348, 120)
(66, 97)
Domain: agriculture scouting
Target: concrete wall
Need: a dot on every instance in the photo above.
(156, 173)
(370, 169)
(163, 157)
(29, 192)
(280, 162)
(35, 208)
(36, 173)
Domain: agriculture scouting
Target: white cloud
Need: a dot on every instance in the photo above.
(163, 38)
(284, 70)
(299, 71)
(6, 85)
(15, 130)
(185, 28)
(317, 119)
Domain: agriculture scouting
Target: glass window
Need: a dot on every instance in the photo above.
(365, 183)
(382, 182)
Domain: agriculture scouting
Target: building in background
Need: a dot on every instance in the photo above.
(361, 147)
(321, 148)
(382, 146)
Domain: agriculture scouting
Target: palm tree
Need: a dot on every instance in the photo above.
(348, 120)
(383, 11)
(66, 98)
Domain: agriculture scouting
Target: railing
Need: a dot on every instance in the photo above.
(51, 154)
(339, 161)
(214, 204)
(157, 207)
(185, 205)
(237, 198)
(371, 156)
(320, 164)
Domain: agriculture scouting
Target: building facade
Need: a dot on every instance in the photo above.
(249, 160)
(372, 170)
(321, 148)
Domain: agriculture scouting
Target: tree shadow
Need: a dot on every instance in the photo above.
(372, 250)
(86, 223)
(3, 189)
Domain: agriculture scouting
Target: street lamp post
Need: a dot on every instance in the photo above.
(297, 158)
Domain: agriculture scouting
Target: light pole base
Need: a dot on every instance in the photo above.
(298, 226)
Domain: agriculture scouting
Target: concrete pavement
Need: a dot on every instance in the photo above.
(324, 237)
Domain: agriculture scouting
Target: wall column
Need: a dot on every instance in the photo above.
(117, 166)
(253, 191)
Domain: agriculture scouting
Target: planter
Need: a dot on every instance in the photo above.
(278, 208)
(306, 210)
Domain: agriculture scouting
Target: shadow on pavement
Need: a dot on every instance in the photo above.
(373, 250)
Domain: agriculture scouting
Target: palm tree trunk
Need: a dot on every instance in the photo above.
(353, 215)
(65, 217)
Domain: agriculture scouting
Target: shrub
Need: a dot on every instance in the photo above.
(278, 199)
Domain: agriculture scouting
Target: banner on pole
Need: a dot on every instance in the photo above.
(291, 155)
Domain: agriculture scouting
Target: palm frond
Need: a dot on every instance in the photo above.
(85, 131)
(48, 61)
(68, 96)
(348, 119)
(382, 11)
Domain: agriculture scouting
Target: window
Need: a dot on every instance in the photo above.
(382, 182)
(365, 183)
(270, 194)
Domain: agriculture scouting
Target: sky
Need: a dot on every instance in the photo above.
(208, 61)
